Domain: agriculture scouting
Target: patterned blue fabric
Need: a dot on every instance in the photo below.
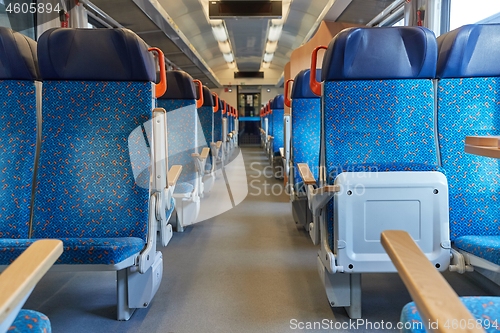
(470, 106)
(206, 115)
(485, 309)
(182, 134)
(230, 123)
(486, 247)
(270, 123)
(183, 188)
(29, 321)
(10, 249)
(17, 156)
(85, 183)
(79, 251)
(218, 126)
(168, 212)
(384, 125)
(305, 138)
(278, 141)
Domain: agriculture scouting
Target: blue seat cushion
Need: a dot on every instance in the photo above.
(334, 171)
(168, 212)
(184, 188)
(90, 251)
(485, 247)
(485, 309)
(30, 321)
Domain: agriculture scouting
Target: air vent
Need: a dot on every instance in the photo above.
(244, 9)
(248, 75)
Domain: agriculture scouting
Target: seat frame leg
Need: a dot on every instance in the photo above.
(342, 290)
(123, 311)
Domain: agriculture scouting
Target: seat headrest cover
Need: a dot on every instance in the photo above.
(180, 85)
(278, 102)
(469, 51)
(207, 97)
(94, 55)
(381, 53)
(301, 87)
(18, 56)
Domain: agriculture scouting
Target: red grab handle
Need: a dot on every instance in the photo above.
(313, 83)
(161, 87)
(216, 107)
(199, 100)
(288, 101)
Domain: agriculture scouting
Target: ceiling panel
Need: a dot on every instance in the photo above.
(248, 39)
(363, 11)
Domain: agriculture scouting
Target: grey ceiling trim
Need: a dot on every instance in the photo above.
(390, 10)
(339, 6)
(161, 18)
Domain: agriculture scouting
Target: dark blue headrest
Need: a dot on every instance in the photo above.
(221, 104)
(381, 53)
(18, 59)
(207, 97)
(278, 102)
(94, 54)
(179, 86)
(301, 87)
(469, 51)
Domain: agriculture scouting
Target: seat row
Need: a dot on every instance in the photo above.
(85, 153)
(382, 147)
(272, 133)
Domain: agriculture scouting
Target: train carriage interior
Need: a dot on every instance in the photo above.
(249, 166)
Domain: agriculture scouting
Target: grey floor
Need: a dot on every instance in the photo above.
(247, 270)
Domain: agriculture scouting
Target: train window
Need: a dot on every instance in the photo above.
(15, 14)
(399, 23)
(482, 11)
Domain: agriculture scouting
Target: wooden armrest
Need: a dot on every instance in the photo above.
(204, 153)
(488, 146)
(230, 134)
(218, 144)
(435, 299)
(282, 152)
(17, 281)
(306, 174)
(173, 174)
(332, 188)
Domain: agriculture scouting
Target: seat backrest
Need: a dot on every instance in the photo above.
(18, 123)
(378, 102)
(469, 73)
(218, 122)
(230, 119)
(225, 115)
(185, 136)
(97, 106)
(278, 107)
(206, 115)
(306, 125)
(379, 99)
